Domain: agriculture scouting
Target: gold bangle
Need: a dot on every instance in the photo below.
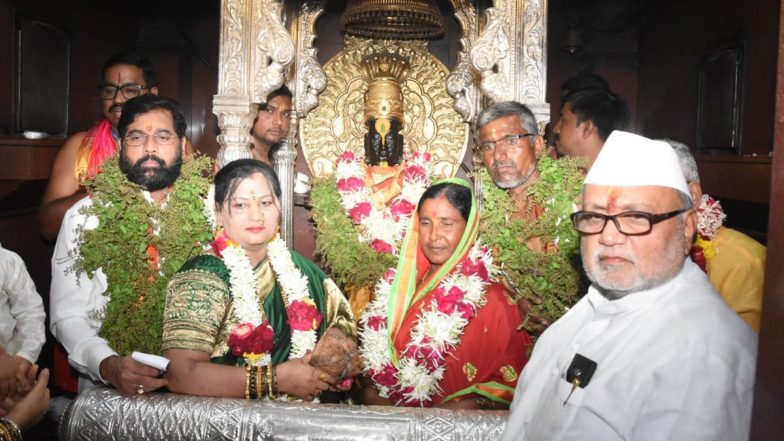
(10, 430)
(272, 387)
(260, 380)
(247, 382)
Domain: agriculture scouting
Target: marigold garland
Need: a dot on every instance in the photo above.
(133, 317)
(550, 279)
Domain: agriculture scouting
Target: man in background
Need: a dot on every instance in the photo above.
(586, 120)
(735, 263)
(271, 124)
(124, 76)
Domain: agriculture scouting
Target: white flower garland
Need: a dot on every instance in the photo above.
(295, 285)
(415, 379)
(710, 217)
(382, 226)
(244, 289)
(209, 207)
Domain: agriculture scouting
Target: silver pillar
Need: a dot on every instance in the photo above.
(284, 161)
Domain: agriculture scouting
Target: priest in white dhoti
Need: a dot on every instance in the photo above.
(652, 352)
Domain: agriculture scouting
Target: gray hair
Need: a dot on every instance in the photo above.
(687, 203)
(686, 159)
(506, 108)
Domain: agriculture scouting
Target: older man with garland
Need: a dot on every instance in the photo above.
(119, 246)
(651, 352)
(527, 198)
(734, 262)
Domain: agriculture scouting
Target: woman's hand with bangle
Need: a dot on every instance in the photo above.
(296, 377)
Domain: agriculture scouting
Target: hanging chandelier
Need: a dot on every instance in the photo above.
(393, 19)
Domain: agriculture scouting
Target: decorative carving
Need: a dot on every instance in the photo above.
(103, 414)
(232, 80)
(235, 118)
(255, 51)
(534, 71)
(510, 54)
(430, 121)
(284, 160)
(490, 54)
(273, 51)
(461, 83)
(310, 79)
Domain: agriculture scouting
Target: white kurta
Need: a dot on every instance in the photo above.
(674, 363)
(21, 309)
(75, 300)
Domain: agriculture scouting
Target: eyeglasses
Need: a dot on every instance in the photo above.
(136, 139)
(129, 90)
(630, 223)
(510, 142)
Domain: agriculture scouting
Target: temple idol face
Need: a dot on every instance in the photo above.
(383, 110)
(384, 145)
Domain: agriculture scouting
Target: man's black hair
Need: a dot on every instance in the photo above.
(584, 81)
(132, 58)
(145, 104)
(280, 91)
(605, 109)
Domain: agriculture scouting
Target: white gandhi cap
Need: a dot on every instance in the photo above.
(629, 160)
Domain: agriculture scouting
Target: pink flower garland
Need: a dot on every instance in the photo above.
(382, 227)
(457, 299)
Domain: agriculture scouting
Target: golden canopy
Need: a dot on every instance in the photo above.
(393, 19)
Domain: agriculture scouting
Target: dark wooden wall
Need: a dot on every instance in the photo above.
(672, 44)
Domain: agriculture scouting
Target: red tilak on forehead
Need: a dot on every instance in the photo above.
(612, 199)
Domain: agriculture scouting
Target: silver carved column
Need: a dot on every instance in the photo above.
(255, 51)
(285, 160)
(510, 54)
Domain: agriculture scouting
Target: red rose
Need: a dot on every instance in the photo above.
(475, 267)
(260, 341)
(303, 316)
(376, 322)
(425, 355)
(389, 275)
(401, 207)
(350, 185)
(219, 244)
(447, 303)
(359, 212)
(385, 376)
(346, 157)
(698, 257)
(414, 173)
(466, 310)
(381, 246)
(245, 338)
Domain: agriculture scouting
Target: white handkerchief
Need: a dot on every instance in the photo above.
(156, 361)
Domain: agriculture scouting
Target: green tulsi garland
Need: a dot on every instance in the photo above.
(133, 318)
(351, 262)
(549, 279)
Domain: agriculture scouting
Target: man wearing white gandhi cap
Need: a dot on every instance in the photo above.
(651, 352)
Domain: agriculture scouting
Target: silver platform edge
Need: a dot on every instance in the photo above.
(99, 414)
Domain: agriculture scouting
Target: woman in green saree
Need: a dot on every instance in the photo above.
(242, 319)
